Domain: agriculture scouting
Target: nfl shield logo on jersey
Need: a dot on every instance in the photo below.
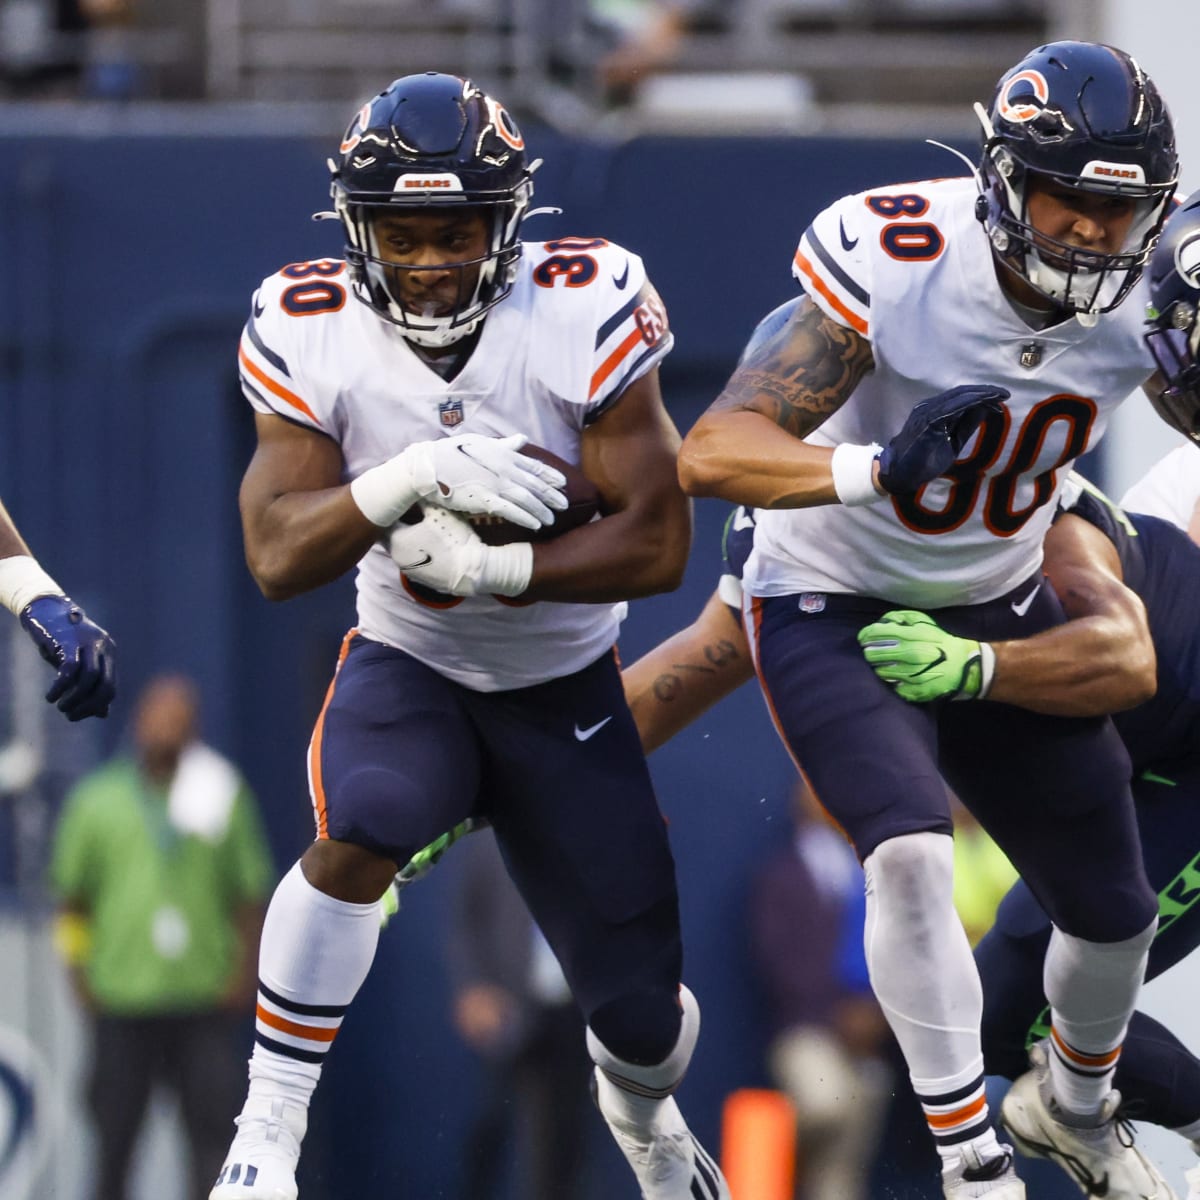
(812, 602)
(1031, 355)
(451, 412)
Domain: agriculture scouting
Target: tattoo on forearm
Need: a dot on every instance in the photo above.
(802, 375)
(670, 683)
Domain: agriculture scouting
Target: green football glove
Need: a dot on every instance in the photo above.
(913, 653)
(421, 864)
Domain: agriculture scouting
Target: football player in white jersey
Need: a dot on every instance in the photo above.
(81, 653)
(975, 328)
(480, 680)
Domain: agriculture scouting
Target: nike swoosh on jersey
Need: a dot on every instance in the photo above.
(622, 279)
(847, 244)
(582, 735)
(259, 306)
(414, 565)
(1021, 607)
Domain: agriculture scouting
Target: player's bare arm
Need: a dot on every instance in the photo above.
(301, 526)
(681, 678)
(640, 547)
(11, 542)
(747, 446)
(1102, 660)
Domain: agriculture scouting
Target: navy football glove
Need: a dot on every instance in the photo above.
(933, 436)
(80, 650)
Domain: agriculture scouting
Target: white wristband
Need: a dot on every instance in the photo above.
(22, 581)
(386, 492)
(987, 669)
(854, 473)
(507, 570)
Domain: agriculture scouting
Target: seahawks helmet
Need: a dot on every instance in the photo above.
(432, 141)
(1173, 335)
(1084, 116)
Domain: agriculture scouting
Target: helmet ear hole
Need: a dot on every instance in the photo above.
(432, 142)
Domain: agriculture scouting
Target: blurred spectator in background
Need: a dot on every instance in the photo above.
(513, 1008)
(646, 36)
(111, 68)
(162, 872)
(829, 1035)
(41, 47)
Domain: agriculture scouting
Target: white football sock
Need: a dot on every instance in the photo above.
(1092, 988)
(926, 981)
(637, 1096)
(315, 953)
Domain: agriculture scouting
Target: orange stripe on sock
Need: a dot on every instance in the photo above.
(960, 1116)
(1099, 1061)
(314, 1033)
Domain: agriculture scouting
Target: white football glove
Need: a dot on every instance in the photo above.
(442, 551)
(468, 473)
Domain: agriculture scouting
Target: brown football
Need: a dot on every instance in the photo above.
(583, 502)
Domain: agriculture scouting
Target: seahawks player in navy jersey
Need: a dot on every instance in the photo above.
(81, 653)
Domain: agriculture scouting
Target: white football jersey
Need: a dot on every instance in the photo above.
(581, 323)
(910, 268)
(1170, 489)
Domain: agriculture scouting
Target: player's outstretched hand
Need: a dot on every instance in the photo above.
(933, 436)
(79, 649)
(910, 651)
(442, 551)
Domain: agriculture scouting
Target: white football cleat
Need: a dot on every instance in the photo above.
(669, 1163)
(1101, 1158)
(972, 1177)
(261, 1163)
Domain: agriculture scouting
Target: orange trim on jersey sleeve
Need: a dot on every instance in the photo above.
(278, 388)
(610, 364)
(853, 319)
(314, 1033)
(314, 747)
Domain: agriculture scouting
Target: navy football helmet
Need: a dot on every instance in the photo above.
(1084, 116)
(1174, 328)
(427, 141)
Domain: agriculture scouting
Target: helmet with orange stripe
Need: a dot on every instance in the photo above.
(1173, 319)
(432, 142)
(1080, 116)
